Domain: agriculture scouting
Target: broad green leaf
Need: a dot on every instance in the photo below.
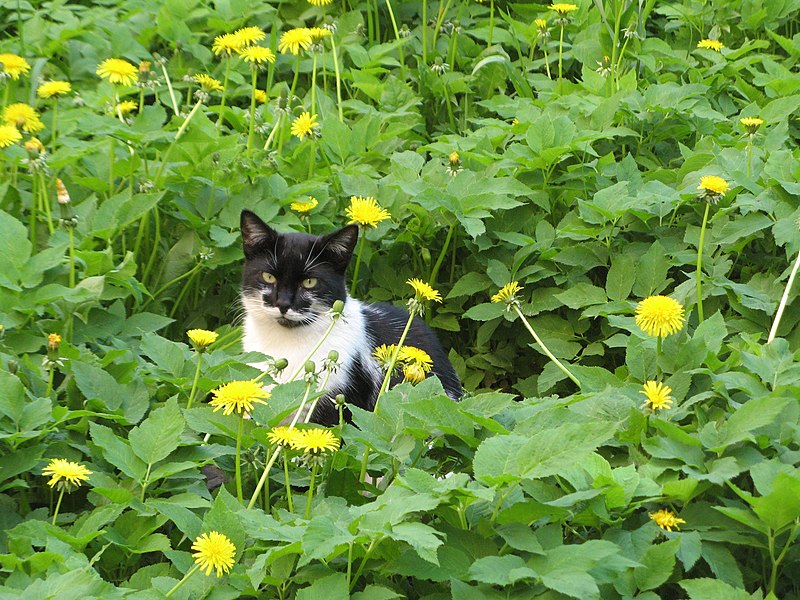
(656, 565)
(118, 452)
(755, 413)
(332, 587)
(782, 505)
(712, 589)
(423, 538)
(500, 570)
(159, 434)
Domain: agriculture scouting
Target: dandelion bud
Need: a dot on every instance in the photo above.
(338, 307)
(339, 400)
(62, 195)
(53, 342)
(310, 366)
(333, 356)
(34, 146)
(281, 364)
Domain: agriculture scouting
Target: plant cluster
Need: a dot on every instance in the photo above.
(593, 203)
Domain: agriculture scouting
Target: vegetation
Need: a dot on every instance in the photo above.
(602, 194)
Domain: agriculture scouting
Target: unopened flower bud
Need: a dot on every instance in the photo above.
(339, 399)
(338, 307)
(281, 364)
(310, 366)
(53, 342)
(62, 195)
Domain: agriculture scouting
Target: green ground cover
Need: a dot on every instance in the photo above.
(597, 157)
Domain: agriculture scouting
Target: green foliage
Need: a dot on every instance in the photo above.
(583, 189)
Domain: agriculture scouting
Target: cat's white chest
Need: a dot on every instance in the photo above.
(262, 333)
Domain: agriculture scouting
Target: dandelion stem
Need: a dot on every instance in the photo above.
(491, 22)
(46, 203)
(294, 81)
(53, 126)
(700, 264)
(71, 231)
(338, 78)
(274, 130)
(424, 26)
(560, 59)
(224, 92)
(393, 361)
(189, 573)
(58, 505)
(784, 299)
(238, 466)
(311, 490)
(169, 87)
(314, 84)
(358, 260)
(194, 382)
(544, 348)
(749, 154)
(289, 500)
(252, 111)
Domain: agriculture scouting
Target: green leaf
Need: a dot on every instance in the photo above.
(500, 570)
(621, 275)
(582, 294)
(419, 536)
(159, 434)
(97, 384)
(651, 272)
(485, 312)
(657, 565)
(118, 452)
(755, 413)
(782, 505)
(332, 587)
(15, 250)
(712, 589)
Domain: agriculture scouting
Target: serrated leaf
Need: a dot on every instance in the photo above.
(712, 589)
(159, 434)
(657, 565)
(500, 570)
(118, 452)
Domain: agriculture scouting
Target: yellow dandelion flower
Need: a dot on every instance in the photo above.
(9, 135)
(214, 551)
(304, 125)
(250, 35)
(22, 116)
(454, 158)
(14, 65)
(366, 211)
(283, 436)
(318, 34)
(53, 341)
(416, 356)
(508, 293)
(714, 185)
(541, 23)
(261, 96)
(53, 88)
(715, 45)
(295, 40)
(202, 338)
(34, 146)
(320, 2)
(257, 55)
(563, 8)
(316, 441)
(658, 395)
(666, 519)
(125, 107)
(423, 291)
(751, 124)
(208, 83)
(227, 44)
(238, 396)
(383, 354)
(118, 71)
(659, 315)
(413, 373)
(62, 470)
(304, 207)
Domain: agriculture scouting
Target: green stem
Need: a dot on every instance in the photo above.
(194, 382)
(784, 299)
(546, 60)
(700, 264)
(358, 260)
(338, 78)
(398, 38)
(169, 87)
(294, 80)
(154, 250)
(364, 559)
(58, 505)
(311, 490)
(172, 282)
(111, 160)
(544, 348)
(450, 116)
(658, 357)
(53, 127)
(289, 499)
(424, 32)
(238, 465)
(440, 259)
(395, 355)
(71, 231)
(191, 572)
(224, 92)
(491, 22)
(252, 111)
(314, 84)
(749, 155)
(46, 203)
(560, 57)
(145, 481)
(50, 377)
(35, 201)
(777, 561)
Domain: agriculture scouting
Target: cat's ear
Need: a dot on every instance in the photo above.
(255, 233)
(339, 246)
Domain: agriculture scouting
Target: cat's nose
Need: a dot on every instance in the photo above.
(283, 308)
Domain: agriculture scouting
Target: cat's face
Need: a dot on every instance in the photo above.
(293, 277)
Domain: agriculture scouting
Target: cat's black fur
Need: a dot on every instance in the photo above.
(285, 318)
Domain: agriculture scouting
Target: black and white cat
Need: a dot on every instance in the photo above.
(290, 281)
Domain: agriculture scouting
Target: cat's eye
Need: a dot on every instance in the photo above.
(268, 277)
(309, 283)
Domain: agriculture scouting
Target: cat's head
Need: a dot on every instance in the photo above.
(293, 277)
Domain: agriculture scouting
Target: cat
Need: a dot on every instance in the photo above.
(290, 281)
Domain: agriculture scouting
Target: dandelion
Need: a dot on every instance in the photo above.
(454, 167)
(207, 83)
(383, 354)
(712, 189)
(413, 373)
(657, 395)
(53, 88)
(541, 24)
(34, 146)
(249, 35)
(320, 2)
(423, 291)
(53, 342)
(283, 436)
(316, 441)
(666, 519)
(227, 44)
(118, 71)
(508, 294)
(294, 40)
(238, 396)
(214, 551)
(715, 45)
(713, 185)
(261, 96)
(202, 338)
(366, 211)
(304, 207)
(22, 116)
(13, 65)
(416, 356)
(563, 9)
(67, 476)
(125, 107)
(65, 473)
(257, 55)
(318, 34)
(304, 125)
(751, 124)
(9, 135)
(660, 316)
